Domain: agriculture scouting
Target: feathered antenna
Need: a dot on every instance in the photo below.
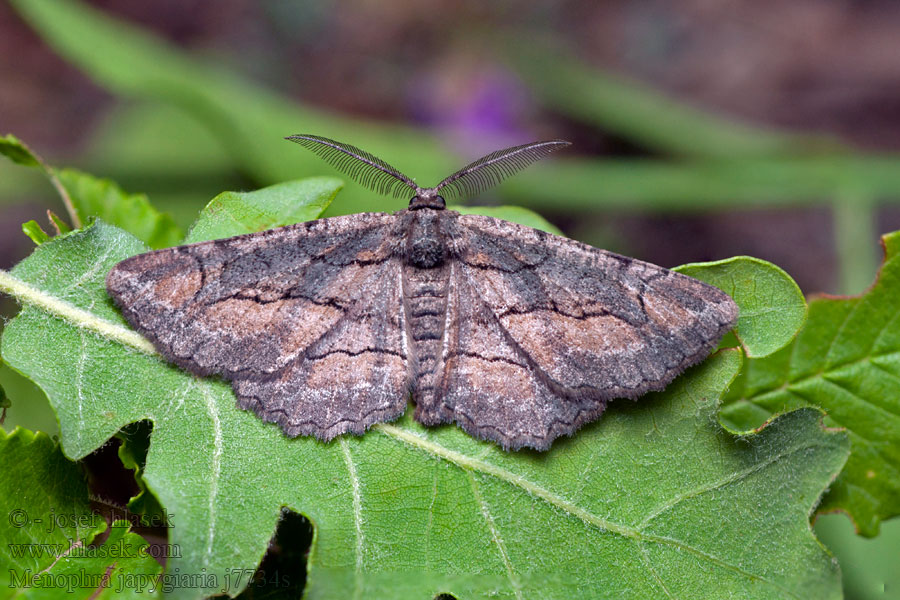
(490, 170)
(364, 168)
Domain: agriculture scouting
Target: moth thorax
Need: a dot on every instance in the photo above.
(425, 247)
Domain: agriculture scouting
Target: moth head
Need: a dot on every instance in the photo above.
(427, 198)
(375, 174)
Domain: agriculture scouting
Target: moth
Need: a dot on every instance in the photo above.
(327, 327)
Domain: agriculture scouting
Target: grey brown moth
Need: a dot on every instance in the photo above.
(330, 326)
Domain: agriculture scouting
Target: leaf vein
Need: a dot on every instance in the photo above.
(28, 294)
(718, 562)
(821, 374)
(844, 387)
(471, 464)
(649, 565)
(714, 485)
(213, 412)
(357, 514)
(495, 536)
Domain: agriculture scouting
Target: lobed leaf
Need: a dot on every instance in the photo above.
(846, 360)
(50, 534)
(772, 305)
(656, 498)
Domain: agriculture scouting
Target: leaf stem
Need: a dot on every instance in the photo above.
(60, 188)
(63, 193)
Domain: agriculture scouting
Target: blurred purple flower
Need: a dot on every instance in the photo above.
(477, 110)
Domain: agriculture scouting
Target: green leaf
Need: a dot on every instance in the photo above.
(15, 150)
(19, 153)
(846, 360)
(31, 408)
(654, 499)
(58, 224)
(772, 305)
(87, 196)
(516, 214)
(97, 197)
(48, 529)
(133, 447)
(234, 213)
(33, 230)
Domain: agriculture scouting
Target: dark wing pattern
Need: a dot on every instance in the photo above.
(560, 328)
(489, 386)
(271, 312)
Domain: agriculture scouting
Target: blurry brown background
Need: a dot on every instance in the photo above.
(813, 65)
(824, 65)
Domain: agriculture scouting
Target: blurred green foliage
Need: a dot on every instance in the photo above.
(642, 115)
(868, 566)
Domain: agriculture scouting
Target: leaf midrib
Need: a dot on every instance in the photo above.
(792, 385)
(637, 534)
